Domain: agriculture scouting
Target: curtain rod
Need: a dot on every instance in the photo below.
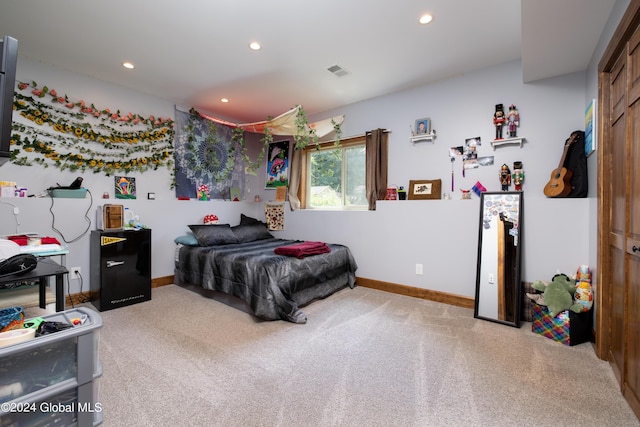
(368, 132)
(356, 136)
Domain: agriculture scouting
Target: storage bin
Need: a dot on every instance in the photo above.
(56, 374)
(567, 327)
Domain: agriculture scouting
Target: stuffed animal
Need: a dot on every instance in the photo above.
(584, 291)
(556, 295)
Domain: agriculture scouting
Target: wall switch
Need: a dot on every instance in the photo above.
(492, 279)
(419, 269)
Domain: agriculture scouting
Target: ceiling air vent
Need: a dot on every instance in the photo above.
(337, 70)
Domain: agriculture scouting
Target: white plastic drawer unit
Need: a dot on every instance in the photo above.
(53, 378)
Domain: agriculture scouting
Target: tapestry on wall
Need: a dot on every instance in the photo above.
(274, 214)
(206, 154)
(51, 129)
(278, 165)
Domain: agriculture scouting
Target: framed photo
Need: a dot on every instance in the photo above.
(423, 126)
(590, 128)
(425, 189)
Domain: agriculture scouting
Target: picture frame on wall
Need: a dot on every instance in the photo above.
(423, 126)
(125, 187)
(278, 165)
(590, 128)
(425, 189)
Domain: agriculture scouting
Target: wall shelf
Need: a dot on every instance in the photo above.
(507, 141)
(423, 137)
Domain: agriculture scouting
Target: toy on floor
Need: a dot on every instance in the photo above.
(584, 290)
(557, 295)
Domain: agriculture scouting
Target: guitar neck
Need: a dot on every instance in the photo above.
(564, 153)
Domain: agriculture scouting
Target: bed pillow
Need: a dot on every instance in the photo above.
(248, 220)
(186, 240)
(213, 234)
(251, 232)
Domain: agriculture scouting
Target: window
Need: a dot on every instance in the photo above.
(336, 176)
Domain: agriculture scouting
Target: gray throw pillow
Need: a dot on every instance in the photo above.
(214, 234)
(251, 232)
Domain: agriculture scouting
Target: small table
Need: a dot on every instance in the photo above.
(44, 270)
(40, 253)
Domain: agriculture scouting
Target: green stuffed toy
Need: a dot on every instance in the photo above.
(557, 295)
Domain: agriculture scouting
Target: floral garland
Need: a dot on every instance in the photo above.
(85, 137)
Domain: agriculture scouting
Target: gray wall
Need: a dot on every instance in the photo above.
(389, 242)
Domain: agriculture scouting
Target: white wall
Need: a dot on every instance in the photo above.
(442, 234)
(387, 243)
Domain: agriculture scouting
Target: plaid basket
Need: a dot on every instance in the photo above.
(11, 318)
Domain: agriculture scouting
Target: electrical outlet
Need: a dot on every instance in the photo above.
(492, 278)
(75, 272)
(419, 269)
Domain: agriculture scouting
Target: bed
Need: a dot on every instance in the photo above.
(242, 261)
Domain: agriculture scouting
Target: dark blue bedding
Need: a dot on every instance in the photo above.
(274, 286)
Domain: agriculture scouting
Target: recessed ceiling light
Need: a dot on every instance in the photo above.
(255, 46)
(425, 19)
(224, 100)
(128, 65)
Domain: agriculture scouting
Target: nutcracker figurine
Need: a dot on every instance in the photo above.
(518, 175)
(498, 120)
(505, 177)
(513, 120)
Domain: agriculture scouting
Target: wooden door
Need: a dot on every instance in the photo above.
(617, 200)
(631, 383)
(618, 276)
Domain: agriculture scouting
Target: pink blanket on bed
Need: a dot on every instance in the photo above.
(301, 250)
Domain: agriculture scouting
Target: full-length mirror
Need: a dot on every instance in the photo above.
(499, 250)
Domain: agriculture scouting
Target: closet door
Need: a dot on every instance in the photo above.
(631, 384)
(618, 284)
(616, 194)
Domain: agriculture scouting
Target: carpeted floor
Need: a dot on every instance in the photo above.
(365, 358)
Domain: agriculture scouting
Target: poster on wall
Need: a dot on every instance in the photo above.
(590, 129)
(125, 187)
(278, 165)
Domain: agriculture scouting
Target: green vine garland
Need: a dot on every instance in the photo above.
(305, 136)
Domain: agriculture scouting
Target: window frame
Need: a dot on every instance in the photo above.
(304, 179)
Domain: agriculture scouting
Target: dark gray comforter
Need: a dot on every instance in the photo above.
(274, 286)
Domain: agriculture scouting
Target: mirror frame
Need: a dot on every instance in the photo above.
(486, 203)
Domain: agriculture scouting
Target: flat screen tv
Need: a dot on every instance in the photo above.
(8, 63)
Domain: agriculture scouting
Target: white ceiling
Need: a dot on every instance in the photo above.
(195, 52)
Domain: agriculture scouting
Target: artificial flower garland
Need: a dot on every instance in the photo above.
(85, 137)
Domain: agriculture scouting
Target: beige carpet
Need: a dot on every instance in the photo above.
(365, 358)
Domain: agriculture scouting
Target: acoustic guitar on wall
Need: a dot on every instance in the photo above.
(559, 184)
